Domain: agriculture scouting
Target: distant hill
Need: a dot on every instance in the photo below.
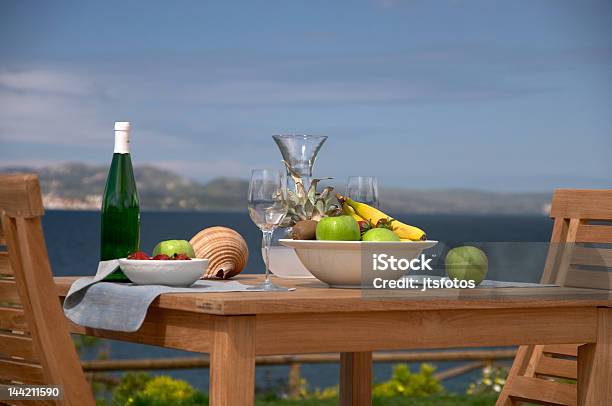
(80, 186)
(464, 201)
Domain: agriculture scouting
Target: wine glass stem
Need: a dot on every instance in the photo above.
(265, 243)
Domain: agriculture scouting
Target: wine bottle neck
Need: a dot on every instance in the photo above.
(122, 142)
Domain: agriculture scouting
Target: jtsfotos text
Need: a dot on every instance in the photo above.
(386, 262)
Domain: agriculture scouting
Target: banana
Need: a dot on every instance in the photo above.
(367, 212)
(406, 231)
(349, 211)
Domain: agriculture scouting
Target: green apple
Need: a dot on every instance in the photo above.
(339, 228)
(467, 263)
(171, 247)
(380, 234)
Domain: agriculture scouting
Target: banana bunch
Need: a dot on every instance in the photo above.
(363, 212)
(349, 211)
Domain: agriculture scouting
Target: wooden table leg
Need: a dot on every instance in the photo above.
(232, 361)
(595, 364)
(356, 379)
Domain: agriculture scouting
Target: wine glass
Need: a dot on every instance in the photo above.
(363, 189)
(267, 208)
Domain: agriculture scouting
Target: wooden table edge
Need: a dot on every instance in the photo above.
(262, 304)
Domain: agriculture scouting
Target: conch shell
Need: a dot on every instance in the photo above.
(225, 249)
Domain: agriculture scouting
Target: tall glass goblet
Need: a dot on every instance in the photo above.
(267, 208)
(300, 152)
(363, 189)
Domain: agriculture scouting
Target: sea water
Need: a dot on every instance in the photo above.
(73, 243)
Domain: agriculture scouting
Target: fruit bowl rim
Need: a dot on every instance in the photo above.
(161, 261)
(332, 244)
(423, 242)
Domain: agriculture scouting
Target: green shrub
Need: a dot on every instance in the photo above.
(492, 381)
(405, 383)
(437, 400)
(142, 389)
(405, 388)
(130, 384)
(163, 389)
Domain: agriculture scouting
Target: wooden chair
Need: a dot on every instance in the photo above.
(35, 344)
(577, 257)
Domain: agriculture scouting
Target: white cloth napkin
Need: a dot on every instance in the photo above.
(90, 302)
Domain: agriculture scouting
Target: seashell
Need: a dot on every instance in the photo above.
(225, 249)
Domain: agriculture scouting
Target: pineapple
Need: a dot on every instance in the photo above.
(309, 205)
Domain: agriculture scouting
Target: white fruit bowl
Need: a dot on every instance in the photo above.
(169, 272)
(339, 263)
(285, 263)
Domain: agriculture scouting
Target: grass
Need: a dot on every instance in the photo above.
(435, 400)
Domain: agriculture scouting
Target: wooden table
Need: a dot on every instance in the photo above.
(235, 327)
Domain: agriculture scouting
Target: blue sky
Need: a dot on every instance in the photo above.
(500, 95)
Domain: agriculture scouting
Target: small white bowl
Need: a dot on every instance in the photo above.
(339, 263)
(168, 272)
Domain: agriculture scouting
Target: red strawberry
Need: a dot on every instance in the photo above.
(181, 257)
(141, 255)
(364, 225)
(161, 257)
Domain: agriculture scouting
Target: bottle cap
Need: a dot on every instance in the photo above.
(122, 137)
(122, 126)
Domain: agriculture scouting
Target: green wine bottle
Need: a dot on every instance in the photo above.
(120, 222)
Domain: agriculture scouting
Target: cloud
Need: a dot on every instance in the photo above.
(189, 105)
(207, 168)
(45, 81)
(61, 108)
(40, 118)
(408, 76)
(75, 104)
(29, 163)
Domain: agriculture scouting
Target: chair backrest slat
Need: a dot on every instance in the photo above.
(35, 344)
(17, 346)
(12, 318)
(567, 350)
(582, 204)
(27, 373)
(557, 368)
(599, 257)
(584, 251)
(20, 196)
(594, 233)
(5, 266)
(2, 238)
(542, 391)
(581, 278)
(8, 293)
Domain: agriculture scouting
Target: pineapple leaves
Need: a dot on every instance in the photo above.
(308, 209)
(294, 175)
(300, 191)
(293, 198)
(312, 194)
(309, 205)
(326, 192)
(320, 206)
